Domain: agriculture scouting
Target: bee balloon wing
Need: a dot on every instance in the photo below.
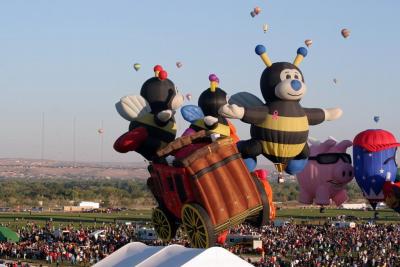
(245, 99)
(132, 107)
(192, 113)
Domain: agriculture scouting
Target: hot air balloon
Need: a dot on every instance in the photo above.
(391, 191)
(252, 14)
(279, 125)
(326, 174)
(308, 42)
(100, 131)
(335, 81)
(137, 66)
(265, 28)
(179, 64)
(374, 154)
(189, 97)
(376, 119)
(345, 33)
(257, 10)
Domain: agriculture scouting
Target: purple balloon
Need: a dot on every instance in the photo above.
(213, 78)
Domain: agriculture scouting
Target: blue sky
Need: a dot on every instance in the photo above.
(74, 58)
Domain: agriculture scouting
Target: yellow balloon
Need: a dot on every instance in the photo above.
(265, 28)
(137, 66)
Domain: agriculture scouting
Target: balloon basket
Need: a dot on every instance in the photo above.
(280, 168)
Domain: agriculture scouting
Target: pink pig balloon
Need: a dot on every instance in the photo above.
(326, 174)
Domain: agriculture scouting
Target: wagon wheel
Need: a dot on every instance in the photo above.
(164, 224)
(262, 217)
(198, 226)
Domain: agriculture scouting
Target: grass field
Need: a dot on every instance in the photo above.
(15, 219)
(314, 215)
(87, 219)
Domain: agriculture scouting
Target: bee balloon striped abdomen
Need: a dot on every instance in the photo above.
(283, 133)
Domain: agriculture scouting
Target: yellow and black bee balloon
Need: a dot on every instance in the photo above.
(280, 125)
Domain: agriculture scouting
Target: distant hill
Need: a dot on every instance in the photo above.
(36, 169)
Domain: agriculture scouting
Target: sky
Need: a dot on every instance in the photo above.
(74, 58)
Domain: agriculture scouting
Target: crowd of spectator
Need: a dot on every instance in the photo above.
(286, 245)
(72, 245)
(325, 245)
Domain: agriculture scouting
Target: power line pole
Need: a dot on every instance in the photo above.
(102, 142)
(43, 141)
(74, 141)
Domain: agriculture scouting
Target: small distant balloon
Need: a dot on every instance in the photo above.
(376, 119)
(179, 64)
(257, 10)
(137, 66)
(189, 97)
(265, 28)
(335, 81)
(345, 33)
(100, 131)
(252, 14)
(308, 42)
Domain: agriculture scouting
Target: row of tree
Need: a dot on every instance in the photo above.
(60, 192)
(109, 192)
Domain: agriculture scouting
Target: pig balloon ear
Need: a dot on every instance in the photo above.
(328, 144)
(332, 138)
(343, 145)
(313, 141)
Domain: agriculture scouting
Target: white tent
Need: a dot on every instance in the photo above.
(96, 233)
(141, 255)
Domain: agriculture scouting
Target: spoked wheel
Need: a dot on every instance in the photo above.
(262, 218)
(198, 226)
(164, 225)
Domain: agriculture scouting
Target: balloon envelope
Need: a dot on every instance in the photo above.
(376, 118)
(179, 64)
(391, 192)
(265, 27)
(308, 42)
(345, 33)
(100, 131)
(257, 10)
(137, 66)
(374, 162)
(252, 14)
(189, 97)
(335, 81)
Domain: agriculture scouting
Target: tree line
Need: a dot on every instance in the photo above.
(109, 192)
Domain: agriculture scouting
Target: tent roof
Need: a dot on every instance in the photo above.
(141, 255)
(97, 232)
(8, 234)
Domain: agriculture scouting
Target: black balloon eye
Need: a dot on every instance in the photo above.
(288, 76)
(296, 76)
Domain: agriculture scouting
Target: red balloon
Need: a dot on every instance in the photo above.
(163, 75)
(158, 68)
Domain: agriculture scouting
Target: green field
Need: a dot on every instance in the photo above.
(88, 219)
(314, 215)
(15, 219)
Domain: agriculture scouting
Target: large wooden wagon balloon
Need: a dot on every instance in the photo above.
(206, 189)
